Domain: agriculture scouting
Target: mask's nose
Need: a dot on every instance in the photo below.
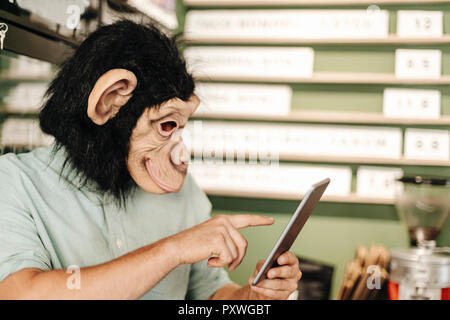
(176, 135)
(179, 154)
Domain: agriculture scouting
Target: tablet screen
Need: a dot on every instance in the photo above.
(294, 227)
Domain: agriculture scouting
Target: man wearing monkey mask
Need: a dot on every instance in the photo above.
(111, 199)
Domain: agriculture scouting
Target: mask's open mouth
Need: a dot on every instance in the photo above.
(152, 172)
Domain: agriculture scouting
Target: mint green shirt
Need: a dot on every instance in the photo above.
(48, 222)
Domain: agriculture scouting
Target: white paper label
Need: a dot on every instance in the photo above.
(63, 12)
(28, 67)
(411, 63)
(415, 24)
(281, 178)
(23, 132)
(222, 98)
(290, 24)
(378, 182)
(427, 144)
(294, 140)
(250, 61)
(162, 11)
(412, 103)
(25, 97)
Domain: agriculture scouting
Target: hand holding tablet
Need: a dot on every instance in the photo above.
(293, 228)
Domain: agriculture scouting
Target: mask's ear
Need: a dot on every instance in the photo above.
(111, 91)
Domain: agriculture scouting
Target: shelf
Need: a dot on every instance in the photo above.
(334, 77)
(359, 160)
(260, 3)
(25, 146)
(363, 160)
(327, 117)
(9, 78)
(352, 198)
(391, 39)
(36, 40)
(10, 111)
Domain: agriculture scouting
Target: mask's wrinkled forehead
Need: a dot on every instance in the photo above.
(177, 108)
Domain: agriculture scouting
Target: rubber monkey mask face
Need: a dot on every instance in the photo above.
(116, 109)
(157, 159)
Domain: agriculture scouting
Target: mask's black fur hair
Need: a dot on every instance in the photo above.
(97, 154)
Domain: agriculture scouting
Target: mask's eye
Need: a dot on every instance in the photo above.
(167, 127)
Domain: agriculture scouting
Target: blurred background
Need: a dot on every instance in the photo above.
(292, 91)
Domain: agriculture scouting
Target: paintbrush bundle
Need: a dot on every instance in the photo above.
(365, 275)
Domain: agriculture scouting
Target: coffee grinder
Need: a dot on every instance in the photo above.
(421, 272)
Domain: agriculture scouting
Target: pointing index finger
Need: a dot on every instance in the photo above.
(249, 220)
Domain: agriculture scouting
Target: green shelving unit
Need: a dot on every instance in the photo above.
(336, 227)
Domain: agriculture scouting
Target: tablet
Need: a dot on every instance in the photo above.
(293, 228)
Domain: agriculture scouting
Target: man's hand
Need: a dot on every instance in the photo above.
(217, 239)
(281, 281)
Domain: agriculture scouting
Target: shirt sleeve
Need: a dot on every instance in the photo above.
(204, 281)
(20, 244)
